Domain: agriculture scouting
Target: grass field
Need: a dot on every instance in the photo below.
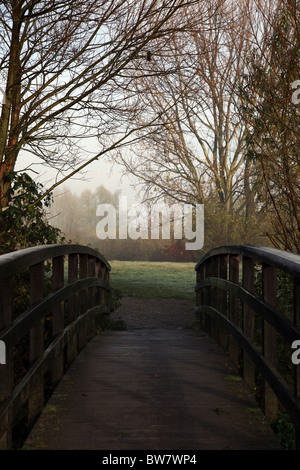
(154, 279)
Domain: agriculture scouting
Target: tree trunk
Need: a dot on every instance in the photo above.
(9, 124)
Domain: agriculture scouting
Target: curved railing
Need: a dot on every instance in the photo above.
(248, 298)
(51, 298)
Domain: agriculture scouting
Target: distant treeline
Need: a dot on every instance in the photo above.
(75, 215)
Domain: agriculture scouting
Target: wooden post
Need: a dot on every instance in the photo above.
(208, 268)
(58, 316)
(72, 347)
(248, 284)
(91, 273)
(83, 270)
(98, 274)
(72, 277)
(36, 396)
(199, 292)
(270, 339)
(214, 298)
(99, 296)
(222, 300)
(234, 267)
(203, 296)
(6, 369)
(104, 274)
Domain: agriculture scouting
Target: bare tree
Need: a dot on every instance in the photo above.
(63, 67)
(200, 147)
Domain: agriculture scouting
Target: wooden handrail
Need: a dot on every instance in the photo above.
(237, 302)
(66, 293)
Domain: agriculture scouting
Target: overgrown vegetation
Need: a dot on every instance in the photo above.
(23, 223)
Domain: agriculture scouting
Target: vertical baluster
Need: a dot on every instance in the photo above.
(83, 271)
(270, 338)
(72, 277)
(7, 369)
(208, 294)
(72, 304)
(36, 396)
(91, 273)
(215, 298)
(199, 292)
(222, 299)
(248, 314)
(58, 316)
(234, 267)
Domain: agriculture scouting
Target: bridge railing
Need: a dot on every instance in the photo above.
(51, 298)
(248, 298)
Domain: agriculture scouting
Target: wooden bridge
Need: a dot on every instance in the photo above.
(147, 388)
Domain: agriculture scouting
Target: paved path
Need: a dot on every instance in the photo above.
(160, 388)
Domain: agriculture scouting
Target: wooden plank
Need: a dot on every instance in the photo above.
(207, 294)
(83, 272)
(57, 283)
(91, 273)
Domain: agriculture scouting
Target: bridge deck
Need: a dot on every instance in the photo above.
(162, 387)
